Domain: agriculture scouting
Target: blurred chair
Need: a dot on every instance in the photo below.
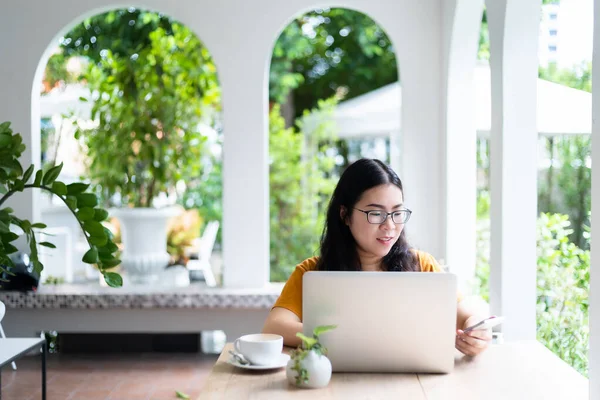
(205, 248)
(2, 335)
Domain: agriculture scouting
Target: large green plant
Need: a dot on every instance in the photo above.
(301, 182)
(562, 287)
(562, 292)
(82, 204)
(150, 98)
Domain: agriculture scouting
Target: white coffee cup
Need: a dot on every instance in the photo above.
(260, 348)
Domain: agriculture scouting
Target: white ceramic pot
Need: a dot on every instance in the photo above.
(144, 237)
(318, 368)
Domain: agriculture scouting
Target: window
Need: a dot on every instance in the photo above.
(552, 32)
(552, 48)
(552, 16)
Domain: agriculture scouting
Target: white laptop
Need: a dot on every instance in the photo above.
(386, 321)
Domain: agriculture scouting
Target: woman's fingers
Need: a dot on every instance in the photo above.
(472, 345)
(477, 336)
(465, 348)
(484, 334)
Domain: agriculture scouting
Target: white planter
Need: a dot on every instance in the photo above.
(318, 368)
(144, 237)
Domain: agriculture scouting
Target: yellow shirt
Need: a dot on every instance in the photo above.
(291, 295)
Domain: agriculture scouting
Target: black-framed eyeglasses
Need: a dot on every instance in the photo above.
(379, 217)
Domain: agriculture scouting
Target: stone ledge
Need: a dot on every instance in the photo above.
(197, 296)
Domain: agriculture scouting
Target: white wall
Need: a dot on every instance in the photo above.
(240, 36)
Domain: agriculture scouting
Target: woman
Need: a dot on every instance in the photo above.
(364, 231)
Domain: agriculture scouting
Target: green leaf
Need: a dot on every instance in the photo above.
(52, 174)
(38, 178)
(98, 241)
(5, 140)
(94, 228)
(113, 279)
(59, 188)
(91, 256)
(110, 263)
(87, 200)
(47, 244)
(181, 395)
(25, 225)
(39, 225)
(27, 174)
(308, 341)
(9, 237)
(9, 248)
(110, 247)
(100, 214)
(71, 201)
(4, 127)
(4, 228)
(322, 329)
(76, 188)
(37, 265)
(85, 213)
(33, 248)
(18, 185)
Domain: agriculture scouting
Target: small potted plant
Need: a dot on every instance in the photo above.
(309, 366)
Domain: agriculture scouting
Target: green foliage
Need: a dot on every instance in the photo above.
(566, 185)
(562, 288)
(308, 344)
(578, 77)
(483, 52)
(13, 179)
(153, 84)
(206, 193)
(181, 395)
(56, 71)
(562, 292)
(301, 183)
(325, 51)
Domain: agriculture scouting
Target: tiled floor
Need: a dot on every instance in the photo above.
(124, 377)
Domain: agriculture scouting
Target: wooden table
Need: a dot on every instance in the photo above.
(515, 370)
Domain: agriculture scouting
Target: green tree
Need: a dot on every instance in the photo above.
(328, 52)
(153, 84)
(567, 184)
(301, 182)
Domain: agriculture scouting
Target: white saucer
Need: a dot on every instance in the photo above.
(280, 363)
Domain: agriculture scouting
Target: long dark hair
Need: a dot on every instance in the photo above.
(338, 247)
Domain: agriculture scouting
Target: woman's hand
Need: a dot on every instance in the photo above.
(474, 342)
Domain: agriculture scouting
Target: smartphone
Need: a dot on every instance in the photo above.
(485, 324)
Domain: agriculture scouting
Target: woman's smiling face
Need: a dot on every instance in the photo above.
(374, 241)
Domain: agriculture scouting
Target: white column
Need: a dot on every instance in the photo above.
(461, 29)
(514, 26)
(594, 351)
(245, 176)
